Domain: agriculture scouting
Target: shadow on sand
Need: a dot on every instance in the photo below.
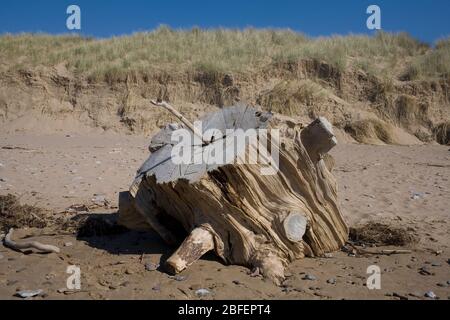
(101, 231)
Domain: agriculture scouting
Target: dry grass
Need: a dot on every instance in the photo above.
(297, 97)
(224, 50)
(442, 133)
(15, 215)
(381, 235)
(370, 130)
(432, 64)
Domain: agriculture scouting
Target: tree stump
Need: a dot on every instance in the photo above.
(247, 218)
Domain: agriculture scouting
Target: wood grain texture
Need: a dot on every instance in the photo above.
(245, 212)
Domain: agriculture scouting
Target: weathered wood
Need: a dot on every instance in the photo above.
(260, 221)
(44, 248)
(199, 241)
(318, 138)
(295, 226)
(180, 117)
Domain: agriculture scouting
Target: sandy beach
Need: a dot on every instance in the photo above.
(401, 186)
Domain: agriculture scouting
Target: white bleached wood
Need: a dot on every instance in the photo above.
(44, 248)
(197, 243)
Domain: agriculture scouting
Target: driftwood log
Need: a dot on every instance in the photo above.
(43, 248)
(247, 218)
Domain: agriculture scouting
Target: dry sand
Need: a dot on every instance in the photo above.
(398, 185)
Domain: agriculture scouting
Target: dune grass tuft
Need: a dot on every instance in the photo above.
(220, 50)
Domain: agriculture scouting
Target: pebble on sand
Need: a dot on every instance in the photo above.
(202, 292)
(29, 293)
(331, 281)
(436, 264)
(417, 195)
(157, 287)
(178, 278)
(425, 271)
(309, 277)
(431, 295)
(150, 266)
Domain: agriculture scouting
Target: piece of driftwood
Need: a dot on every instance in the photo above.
(44, 248)
(180, 117)
(387, 252)
(262, 221)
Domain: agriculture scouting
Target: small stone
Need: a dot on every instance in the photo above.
(328, 255)
(431, 295)
(149, 266)
(202, 292)
(417, 195)
(448, 282)
(68, 244)
(425, 271)
(400, 296)
(331, 281)
(254, 273)
(157, 288)
(28, 293)
(436, 264)
(442, 284)
(309, 277)
(178, 278)
(237, 282)
(129, 271)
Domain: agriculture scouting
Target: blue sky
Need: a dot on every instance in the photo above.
(427, 20)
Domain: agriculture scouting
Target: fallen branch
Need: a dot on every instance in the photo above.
(44, 248)
(180, 117)
(387, 252)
